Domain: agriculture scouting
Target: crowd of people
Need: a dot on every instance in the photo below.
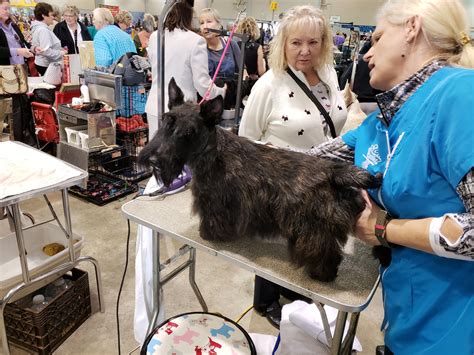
(422, 127)
(420, 138)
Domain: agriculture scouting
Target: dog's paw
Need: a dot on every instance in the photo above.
(323, 274)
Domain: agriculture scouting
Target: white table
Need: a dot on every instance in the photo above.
(30, 159)
(351, 292)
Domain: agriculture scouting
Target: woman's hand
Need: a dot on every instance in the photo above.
(24, 52)
(365, 225)
(37, 50)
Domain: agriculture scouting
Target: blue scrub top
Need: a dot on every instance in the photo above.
(424, 154)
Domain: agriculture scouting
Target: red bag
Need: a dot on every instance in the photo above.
(31, 67)
(46, 125)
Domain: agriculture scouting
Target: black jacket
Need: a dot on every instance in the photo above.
(62, 32)
(4, 49)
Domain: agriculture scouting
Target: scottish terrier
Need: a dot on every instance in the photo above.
(241, 188)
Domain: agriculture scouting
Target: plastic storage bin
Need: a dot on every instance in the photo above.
(73, 134)
(38, 262)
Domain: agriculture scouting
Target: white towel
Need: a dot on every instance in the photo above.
(294, 341)
(307, 317)
(264, 343)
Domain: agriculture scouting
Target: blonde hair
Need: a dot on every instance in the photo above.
(212, 12)
(310, 18)
(103, 16)
(125, 17)
(249, 26)
(72, 9)
(444, 25)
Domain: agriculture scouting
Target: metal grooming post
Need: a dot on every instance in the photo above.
(244, 39)
(160, 45)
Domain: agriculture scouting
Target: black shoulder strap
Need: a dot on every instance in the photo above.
(313, 98)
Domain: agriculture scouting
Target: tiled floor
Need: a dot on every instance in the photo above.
(226, 288)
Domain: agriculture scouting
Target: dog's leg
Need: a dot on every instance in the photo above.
(214, 227)
(324, 268)
(320, 254)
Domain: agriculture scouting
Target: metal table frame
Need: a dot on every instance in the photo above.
(156, 215)
(28, 284)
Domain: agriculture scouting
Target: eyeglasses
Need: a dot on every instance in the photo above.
(69, 16)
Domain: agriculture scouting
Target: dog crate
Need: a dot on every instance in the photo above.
(133, 100)
(45, 330)
(122, 162)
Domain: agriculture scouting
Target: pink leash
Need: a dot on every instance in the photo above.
(208, 92)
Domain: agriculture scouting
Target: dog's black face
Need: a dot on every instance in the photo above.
(184, 133)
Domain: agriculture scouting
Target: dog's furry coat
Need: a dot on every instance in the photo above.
(241, 188)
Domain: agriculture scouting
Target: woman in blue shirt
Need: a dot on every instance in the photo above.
(210, 19)
(110, 42)
(421, 140)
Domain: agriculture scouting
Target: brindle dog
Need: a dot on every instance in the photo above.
(241, 188)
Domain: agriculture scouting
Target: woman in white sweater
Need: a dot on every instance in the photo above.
(280, 113)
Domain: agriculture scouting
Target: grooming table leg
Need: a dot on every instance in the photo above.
(192, 279)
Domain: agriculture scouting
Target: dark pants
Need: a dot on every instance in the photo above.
(41, 69)
(23, 125)
(266, 292)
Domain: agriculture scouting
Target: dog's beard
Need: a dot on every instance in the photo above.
(167, 172)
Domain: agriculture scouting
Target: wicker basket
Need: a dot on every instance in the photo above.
(42, 332)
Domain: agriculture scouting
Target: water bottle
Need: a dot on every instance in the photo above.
(38, 303)
(51, 291)
(60, 284)
(85, 93)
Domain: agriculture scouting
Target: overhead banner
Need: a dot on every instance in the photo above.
(113, 9)
(22, 3)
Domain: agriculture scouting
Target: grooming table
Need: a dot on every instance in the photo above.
(26, 173)
(351, 292)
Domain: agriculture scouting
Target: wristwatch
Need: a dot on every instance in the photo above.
(383, 217)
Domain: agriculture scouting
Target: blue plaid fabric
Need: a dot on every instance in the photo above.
(110, 43)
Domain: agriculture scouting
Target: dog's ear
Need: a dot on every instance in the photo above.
(212, 110)
(175, 95)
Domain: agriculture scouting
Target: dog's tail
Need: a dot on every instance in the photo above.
(350, 175)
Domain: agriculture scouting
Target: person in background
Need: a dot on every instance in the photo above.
(228, 73)
(186, 62)
(278, 112)
(254, 61)
(43, 37)
(56, 17)
(13, 50)
(89, 23)
(123, 20)
(421, 140)
(141, 38)
(338, 40)
(110, 42)
(209, 18)
(71, 32)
